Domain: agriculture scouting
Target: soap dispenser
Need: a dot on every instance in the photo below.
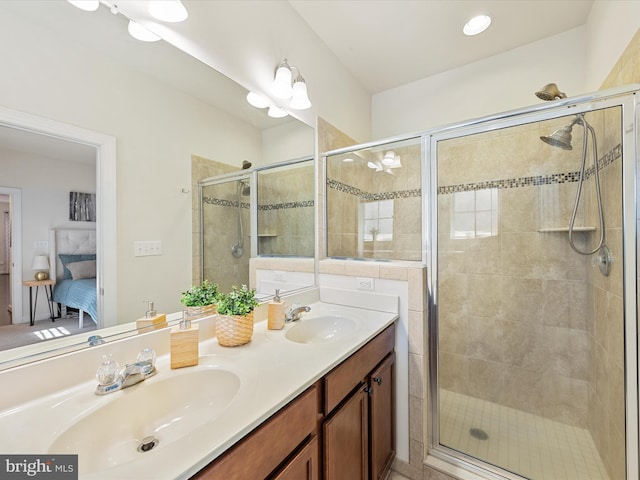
(275, 313)
(184, 343)
(151, 320)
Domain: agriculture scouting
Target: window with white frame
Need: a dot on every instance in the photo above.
(474, 214)
(378, 221)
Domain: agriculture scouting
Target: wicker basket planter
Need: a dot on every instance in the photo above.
(199, 312)
(234, 330)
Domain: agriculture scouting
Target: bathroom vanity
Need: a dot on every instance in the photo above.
(349, 412)
(306, 402)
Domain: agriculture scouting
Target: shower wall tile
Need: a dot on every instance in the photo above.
(559, 394)
(517, 392)
(484, 338)
(486, 380)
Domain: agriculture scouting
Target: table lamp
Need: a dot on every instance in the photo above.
(41, 266)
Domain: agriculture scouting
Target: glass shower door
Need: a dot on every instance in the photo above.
(225, 232)
(530, 333)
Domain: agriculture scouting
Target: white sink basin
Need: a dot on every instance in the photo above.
(167, 409)
(325, 328)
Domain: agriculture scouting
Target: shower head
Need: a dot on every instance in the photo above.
(560, 138)
(246, 164)
(550, 92)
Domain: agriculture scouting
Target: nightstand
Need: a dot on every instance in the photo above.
(48, 289)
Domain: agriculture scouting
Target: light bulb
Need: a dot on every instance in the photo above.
(168, 10)
(141, 33)
(281, 86)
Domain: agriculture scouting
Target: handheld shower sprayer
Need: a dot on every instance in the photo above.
(243, 189)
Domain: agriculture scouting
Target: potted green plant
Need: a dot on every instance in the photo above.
(200, 300)
(234, 325)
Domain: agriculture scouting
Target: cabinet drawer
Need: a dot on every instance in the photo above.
(258, 454)
(346, 376)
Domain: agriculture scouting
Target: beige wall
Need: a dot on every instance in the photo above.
(286, 211)
(352, 185)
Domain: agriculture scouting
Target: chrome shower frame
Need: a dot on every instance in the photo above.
(449, 460)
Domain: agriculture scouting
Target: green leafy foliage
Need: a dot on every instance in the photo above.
(240, 301)
(201, 295)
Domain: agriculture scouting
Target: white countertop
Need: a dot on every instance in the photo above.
(272, 371)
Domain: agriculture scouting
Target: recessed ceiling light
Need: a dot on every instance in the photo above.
(477, 25)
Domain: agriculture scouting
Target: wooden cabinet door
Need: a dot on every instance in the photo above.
(303, 466)
(382, 434)
(345, 439)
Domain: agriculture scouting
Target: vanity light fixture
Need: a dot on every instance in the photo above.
(476, 25)
(374, 166)
(389, 158)
(167, 10)
(257, 100)
(86, 5)
(141, 33)
(287, 86)
(276, 112)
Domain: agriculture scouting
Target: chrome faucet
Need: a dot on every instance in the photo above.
(294, 314)
(109, 380)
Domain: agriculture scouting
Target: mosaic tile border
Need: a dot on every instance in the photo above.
(371, 197)
(275, 206)
(224, 203)
(556, 178)
(287, 205)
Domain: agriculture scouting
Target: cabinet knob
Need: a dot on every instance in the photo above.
(378, 380)
(367, 389)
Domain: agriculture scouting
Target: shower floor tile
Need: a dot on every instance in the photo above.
(521, 442)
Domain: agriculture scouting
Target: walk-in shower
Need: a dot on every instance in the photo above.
(532, 352)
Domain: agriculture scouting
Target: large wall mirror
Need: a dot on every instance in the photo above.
(175, 122)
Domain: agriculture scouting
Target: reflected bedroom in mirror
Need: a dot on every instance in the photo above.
(146, 243)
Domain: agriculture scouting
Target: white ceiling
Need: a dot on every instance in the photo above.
(383, 43)
(388, 43)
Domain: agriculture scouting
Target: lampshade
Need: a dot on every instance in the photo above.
(141, 33)
(281, 86)
(300, 100)
(257, 100)
(167, 10)
(276, 112)
(389, 158)
(40, 262)
(86, 5)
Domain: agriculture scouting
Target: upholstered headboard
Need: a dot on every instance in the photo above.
(69, 241)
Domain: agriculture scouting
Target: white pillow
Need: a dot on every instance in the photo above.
(84, 269)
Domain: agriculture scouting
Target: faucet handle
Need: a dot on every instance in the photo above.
(147, 355)
(108, 371)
